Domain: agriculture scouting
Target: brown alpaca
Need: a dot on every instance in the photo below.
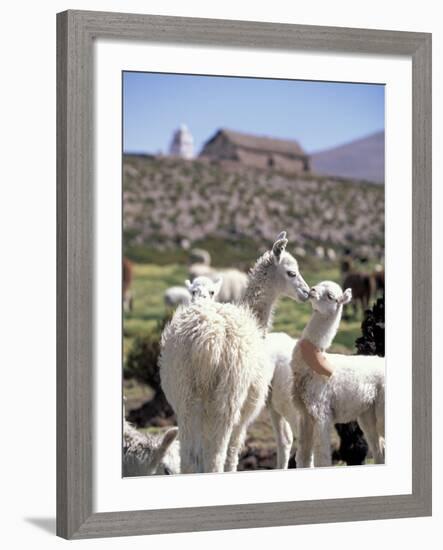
(127, 280)
(363, 285)
(379, 279)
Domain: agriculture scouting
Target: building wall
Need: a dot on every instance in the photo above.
(220, 148)
(271, 161)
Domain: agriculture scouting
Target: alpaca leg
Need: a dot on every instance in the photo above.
(284, 437)
(322, 443)
(252, 406)
(380, 413)
(189, 415)
(235, 446)
(304, 454)
(189, 462)
(214, 454)
(368, 424)
(215, 440)
(380, 424)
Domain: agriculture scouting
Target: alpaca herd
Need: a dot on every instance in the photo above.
(232, 288)
(220, 366)
(201, 287)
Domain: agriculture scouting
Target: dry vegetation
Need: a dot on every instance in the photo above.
(167, 200)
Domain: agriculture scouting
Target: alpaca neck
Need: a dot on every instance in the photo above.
(321, 329)
(261, 294)
(263, 308)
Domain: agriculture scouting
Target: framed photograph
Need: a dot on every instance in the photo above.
(235, 202)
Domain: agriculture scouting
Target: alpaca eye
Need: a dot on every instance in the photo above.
(331, 296)
(211, 293)
(194, 292)
(291, 274)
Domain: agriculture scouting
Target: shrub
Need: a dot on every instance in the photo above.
(142, 359)
(372, 340)
(142, 364)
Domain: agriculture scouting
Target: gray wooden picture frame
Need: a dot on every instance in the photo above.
(76, 32)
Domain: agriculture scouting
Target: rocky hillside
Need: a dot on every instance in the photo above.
(361, 159)
(170, 200)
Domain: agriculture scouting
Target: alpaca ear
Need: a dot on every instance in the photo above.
(280, 244)
(347, 297)
(168, 438)
(188, 284)
(160, 450)
(218, 284)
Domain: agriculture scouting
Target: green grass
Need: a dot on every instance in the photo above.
(151, 280)
(229, 252)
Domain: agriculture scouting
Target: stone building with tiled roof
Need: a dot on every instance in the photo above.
(257, 151)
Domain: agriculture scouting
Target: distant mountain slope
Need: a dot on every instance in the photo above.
(362, 159)
(166, 200)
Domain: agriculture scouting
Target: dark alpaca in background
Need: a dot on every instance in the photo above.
(363, 288)
(363, 285)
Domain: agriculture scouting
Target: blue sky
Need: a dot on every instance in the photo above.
(318, 115)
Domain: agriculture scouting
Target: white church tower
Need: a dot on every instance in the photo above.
(182, 144)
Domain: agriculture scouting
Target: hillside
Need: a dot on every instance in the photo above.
(167, 200)
(361, 159)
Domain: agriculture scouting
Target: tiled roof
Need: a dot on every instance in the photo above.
(263, 143)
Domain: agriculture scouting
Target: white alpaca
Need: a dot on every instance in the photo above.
(145, 454)
(331, 254)
(176, 296)
(214, 367)
(280, 404)
(199, 256)
(234, 281)
(204, 288)
(320, 252)
(300, 252)
(200, 287)
(234, 285)
(200, 270)
(354, 391)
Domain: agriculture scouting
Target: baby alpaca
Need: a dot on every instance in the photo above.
(354, 391)
(145, 454)
(204, 287)
(283, 414)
